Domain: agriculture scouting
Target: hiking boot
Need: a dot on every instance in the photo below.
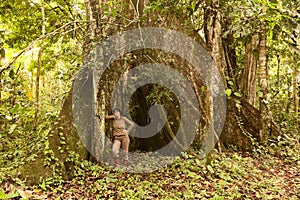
(125, 163)
(117, 162)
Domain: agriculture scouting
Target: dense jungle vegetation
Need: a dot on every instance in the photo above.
(255, 45)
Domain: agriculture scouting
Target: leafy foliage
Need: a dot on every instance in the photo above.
(270, 172)
(231, 175)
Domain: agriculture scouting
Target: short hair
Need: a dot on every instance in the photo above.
(116, 109)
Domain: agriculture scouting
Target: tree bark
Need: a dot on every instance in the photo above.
(37, 89)
(295, 94)
(263, 84)
(241, 128)
(213, 35)
(232, 70)
(250, 67)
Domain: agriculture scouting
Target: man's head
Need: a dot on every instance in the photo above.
(116, 112)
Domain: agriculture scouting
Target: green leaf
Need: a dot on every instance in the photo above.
(193, 5)
(228, 92)
(12, 128)
(2, 194)
(15, 109)
(237, 94)
(5, 95)
(8, 117)
(210, 169)
(11, 74)
(2, 53)
(12, 195)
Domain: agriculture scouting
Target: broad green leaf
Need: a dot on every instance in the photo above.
(15, 109)
(11, 196)
(237, 94)
(228, 92)
(2, 194)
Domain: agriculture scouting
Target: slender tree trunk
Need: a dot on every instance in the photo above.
(289, 93)
(295, 94)
(278, 71)
(138, 6)
(263, 83)
(2, 56)
(37, 89)
(213, 35)
(92, 16)
(250, 67)
(230, 53)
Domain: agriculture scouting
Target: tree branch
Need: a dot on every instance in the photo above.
(30, 46)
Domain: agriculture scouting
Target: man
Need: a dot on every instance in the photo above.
(121, 127)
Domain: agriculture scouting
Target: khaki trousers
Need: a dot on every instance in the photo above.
(121, 141)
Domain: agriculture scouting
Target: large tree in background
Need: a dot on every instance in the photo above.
(96, 34)
(236, 33)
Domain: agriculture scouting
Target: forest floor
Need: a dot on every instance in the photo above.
(231, 175)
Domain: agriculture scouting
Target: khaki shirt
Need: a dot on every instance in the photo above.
(119, 126)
